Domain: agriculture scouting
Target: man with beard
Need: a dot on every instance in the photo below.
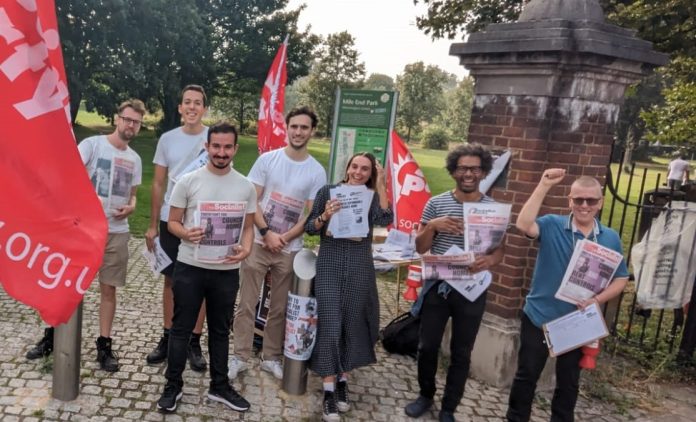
(286, 181)
(557, 236)
(196, 280)
(178, 152)
(110, 158)
(442, 225)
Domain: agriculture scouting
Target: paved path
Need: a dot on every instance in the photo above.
(379, 392)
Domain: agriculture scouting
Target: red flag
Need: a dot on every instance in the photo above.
(272, 132)
(406, 186)
(52, 227)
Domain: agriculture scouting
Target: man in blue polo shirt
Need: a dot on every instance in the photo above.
(557, 236)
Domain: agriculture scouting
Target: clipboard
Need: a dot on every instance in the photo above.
(574, 330)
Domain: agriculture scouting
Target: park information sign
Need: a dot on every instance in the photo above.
(363, 121)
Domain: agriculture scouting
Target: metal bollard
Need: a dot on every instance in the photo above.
(295, 370)
(67, 339)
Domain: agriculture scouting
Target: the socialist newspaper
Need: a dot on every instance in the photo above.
(222, 224)
(282, 212)
(351, 220)
(452, 268)
(485, 226)
(121, 182)
(591, 268)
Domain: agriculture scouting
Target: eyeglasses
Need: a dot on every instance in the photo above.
(129, 121)
(590, 201)
(464, 169)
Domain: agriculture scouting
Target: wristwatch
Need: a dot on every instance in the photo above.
(263, 231)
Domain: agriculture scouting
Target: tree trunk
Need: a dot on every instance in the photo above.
(75, 100)
(408, 135)
(171, 117)
(241, 114)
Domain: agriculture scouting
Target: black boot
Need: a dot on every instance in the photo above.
(44, 347)
(159, 353)
(105, 356)
(195, 354)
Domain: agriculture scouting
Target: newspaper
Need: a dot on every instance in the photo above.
(157, 260)
(351, 220)
(456, 272)
(121, 182)
(281, 212)
(300, 327)
(591, 268)
(222, 224)
(484, 226)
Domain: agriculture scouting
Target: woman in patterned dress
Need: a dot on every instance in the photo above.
(345, 287)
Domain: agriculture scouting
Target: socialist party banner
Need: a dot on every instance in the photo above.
(362, 122)
(272, 132)
(406, 186)
(52, 227)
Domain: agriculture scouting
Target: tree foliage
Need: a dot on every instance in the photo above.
(379, 82)
(420, 95)
(337, 65)
(456, 113)
(448, 18)
(116, 49)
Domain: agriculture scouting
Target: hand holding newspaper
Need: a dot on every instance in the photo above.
(454, 267)
(222, 223)
(352, 219)
(590, 270)
(484, 226)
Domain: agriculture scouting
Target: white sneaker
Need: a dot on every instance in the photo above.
(274, 367)
(235, 367)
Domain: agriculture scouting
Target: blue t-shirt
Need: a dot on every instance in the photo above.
(557, 240)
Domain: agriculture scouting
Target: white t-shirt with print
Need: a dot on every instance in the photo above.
(299, 180)
(98, 156)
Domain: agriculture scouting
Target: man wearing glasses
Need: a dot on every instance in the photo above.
(557, 236)
(116, 171)
(442, 226)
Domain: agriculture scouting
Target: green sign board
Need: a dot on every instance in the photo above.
(363, 121)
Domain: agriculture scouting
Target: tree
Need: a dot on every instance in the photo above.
(420, 95)
(379, 82)
(456, 114)
(447, 18)
(337, 65)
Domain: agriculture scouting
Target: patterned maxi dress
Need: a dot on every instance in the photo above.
(346, 292)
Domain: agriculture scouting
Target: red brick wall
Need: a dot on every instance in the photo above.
(539, 139)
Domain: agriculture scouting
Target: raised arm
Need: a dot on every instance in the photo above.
(526, 220)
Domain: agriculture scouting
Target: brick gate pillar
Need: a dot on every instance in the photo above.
(548, 88)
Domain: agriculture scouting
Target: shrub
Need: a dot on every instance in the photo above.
(435, 137)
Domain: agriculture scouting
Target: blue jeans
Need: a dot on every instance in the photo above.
(466, 319)
(219, 289)
(531, 360)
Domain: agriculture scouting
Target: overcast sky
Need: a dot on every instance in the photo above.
(385, 33)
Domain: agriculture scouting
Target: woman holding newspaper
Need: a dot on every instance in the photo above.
(345, 287)
(560, 238)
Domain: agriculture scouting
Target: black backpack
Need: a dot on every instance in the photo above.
(400, 336)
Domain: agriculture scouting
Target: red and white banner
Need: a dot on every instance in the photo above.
(406, 186)
(272, 132)
(52, 226)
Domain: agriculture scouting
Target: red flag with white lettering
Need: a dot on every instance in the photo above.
(272, 132)
(406, 186)
(52, 227)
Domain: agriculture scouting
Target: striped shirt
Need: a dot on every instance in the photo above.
(445, 204)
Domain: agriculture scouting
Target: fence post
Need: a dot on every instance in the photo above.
(67, 339)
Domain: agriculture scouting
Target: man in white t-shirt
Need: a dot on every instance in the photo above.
(286, 182)
(177, 153)
(678, 172)
(208, 270)
(116, 171)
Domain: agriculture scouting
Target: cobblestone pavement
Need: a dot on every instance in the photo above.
(379, 392)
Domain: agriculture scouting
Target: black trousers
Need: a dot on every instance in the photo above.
(466, 319)
(531, 360)
(191, 285)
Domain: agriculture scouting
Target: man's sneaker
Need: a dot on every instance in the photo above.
(44, 347)
(195, 356)
(418, 407)
(330, 409)
(105, 356)
(159, 354)
(274, 367)
(235, 367)
(230, 398)
(342, 396)
(172, 394)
